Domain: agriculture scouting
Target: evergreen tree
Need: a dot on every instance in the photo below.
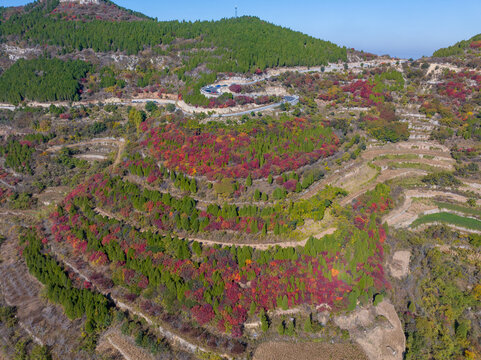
(254, 228)
(281, 328)
(264, 321)
(308, 325)
(264, 229)
(290, 329)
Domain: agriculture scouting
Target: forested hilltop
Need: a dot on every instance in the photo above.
(190, 54)
(247, 43)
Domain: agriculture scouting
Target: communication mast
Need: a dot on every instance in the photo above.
(236, 11)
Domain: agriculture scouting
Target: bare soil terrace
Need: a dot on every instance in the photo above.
(311, 351)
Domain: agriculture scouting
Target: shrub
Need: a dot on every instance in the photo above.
(443, 178)
(225, 187)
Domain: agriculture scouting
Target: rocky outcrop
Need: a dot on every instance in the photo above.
(399, 265)
(377, 329)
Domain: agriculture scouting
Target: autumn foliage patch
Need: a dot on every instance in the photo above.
(257, 148)
(217, 285)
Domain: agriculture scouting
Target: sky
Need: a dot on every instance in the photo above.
(401, 28)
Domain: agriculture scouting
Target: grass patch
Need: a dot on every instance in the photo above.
(407, 182)
(448, 218)
(463, 209)
(412, 165)
(397, 157)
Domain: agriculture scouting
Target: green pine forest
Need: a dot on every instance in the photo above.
(247, 43)
(42, 79)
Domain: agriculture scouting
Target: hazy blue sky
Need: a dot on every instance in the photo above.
(403, 28)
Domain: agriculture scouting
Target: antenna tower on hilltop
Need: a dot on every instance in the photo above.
(236, 11)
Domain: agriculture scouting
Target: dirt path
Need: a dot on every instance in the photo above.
(125, 347)
(354, 169)
(107, 214)
(261, 246)
(412, 147)
(409, 163)
(385, 176)
(101, 141)
(472, 186)
(375, 152)
(119, 143)
(349, 170)
(120, 151)
(265, 246)
(7, 184)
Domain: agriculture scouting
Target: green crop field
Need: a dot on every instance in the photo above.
(448, 218)
(476, 212)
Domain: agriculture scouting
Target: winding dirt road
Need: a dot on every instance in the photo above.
(119, 143)
(98, 141)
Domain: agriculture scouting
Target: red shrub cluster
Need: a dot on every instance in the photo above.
(203, 313)
(235, 88)
(475, 44)
(262, 150)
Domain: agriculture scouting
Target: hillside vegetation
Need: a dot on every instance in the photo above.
(180, 193)
(248, 43)
(459, 47)
(42, 79)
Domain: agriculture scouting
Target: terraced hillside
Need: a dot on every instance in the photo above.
(135, 225)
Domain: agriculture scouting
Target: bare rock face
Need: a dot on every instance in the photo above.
(399, 266)
(377, 330)
(82, 2)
